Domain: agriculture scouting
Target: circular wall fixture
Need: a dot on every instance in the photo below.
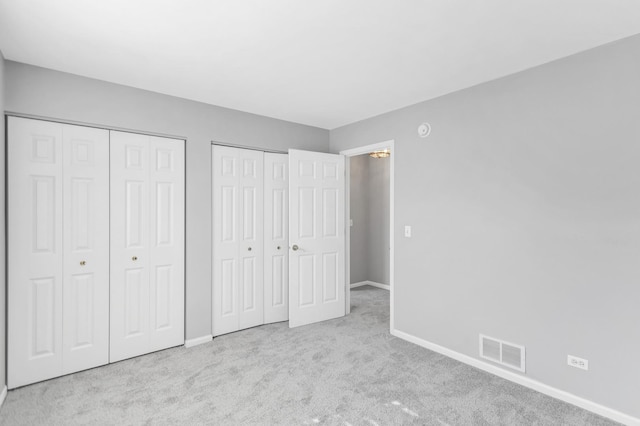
(424, 129)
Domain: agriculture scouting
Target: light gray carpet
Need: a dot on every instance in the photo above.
(348, 371)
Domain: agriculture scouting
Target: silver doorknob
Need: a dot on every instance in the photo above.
(134, 258)
(83, 262)
(249, 249)
(295, 247)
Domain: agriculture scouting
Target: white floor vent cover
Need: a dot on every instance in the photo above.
(504, 353)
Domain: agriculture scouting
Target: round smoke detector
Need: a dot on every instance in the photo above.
(424, 129)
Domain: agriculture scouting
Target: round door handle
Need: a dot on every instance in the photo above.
(278, 247)
(83, 262)
(295, 247)
(134, 258)
(249, 249)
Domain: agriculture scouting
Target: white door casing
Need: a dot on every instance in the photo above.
(316, 237)
(388, 145)
(147, 244)
(237, 233)
(276, 238)
(58, 259)
(86, 248)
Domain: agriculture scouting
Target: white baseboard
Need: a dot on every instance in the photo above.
(372, 284)
(523, 380)
(3, 395)
(198, 341)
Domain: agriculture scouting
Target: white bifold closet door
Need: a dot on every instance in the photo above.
(147, 244)
(58, 256)
(276, 238)
(238, 252)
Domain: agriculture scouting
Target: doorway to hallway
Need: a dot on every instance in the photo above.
(370, 218)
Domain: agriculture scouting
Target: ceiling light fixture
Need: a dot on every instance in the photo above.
(380, 154)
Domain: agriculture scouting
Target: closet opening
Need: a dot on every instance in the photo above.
(370, 219)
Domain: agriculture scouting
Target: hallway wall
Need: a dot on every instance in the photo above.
(369, 204)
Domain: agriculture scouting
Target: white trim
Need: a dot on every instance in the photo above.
(523, 380)
(94, 125)
(372, 284)
(198, 341)
(347, 234)
(3, 395)
(390, 144)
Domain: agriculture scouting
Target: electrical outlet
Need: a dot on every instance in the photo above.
(576, 362)
(407, 231)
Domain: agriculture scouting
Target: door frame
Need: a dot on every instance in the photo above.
(348, 153)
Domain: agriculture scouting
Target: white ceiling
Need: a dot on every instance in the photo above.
(324, 63)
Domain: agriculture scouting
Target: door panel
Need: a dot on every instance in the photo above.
(80, 309)
(225, 210)
(167, 242)
(237, 228)
(35, 250)
(129, 245)
(329, 277)
(317, 237)
(135, 199)
(86, 248)
(306, 280)
(135, 303)
(42, 317)
(229, 284)
(162, 299)
(251, 250)
(147, 247)
(276, 233)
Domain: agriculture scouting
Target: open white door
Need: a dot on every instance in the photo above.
(316, 237)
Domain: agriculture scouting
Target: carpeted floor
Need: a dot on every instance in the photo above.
(348, 371)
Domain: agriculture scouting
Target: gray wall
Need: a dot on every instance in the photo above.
(359, 212)
(47, 93)
(379, 220)
(3, 286)
(369, 207)
(525, 207)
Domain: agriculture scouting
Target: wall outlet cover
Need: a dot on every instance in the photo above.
(576, 362)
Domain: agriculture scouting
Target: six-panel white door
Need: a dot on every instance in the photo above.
(237, 232)
(58, 279)
(147, 244)
(316, 236)
(276, 238)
